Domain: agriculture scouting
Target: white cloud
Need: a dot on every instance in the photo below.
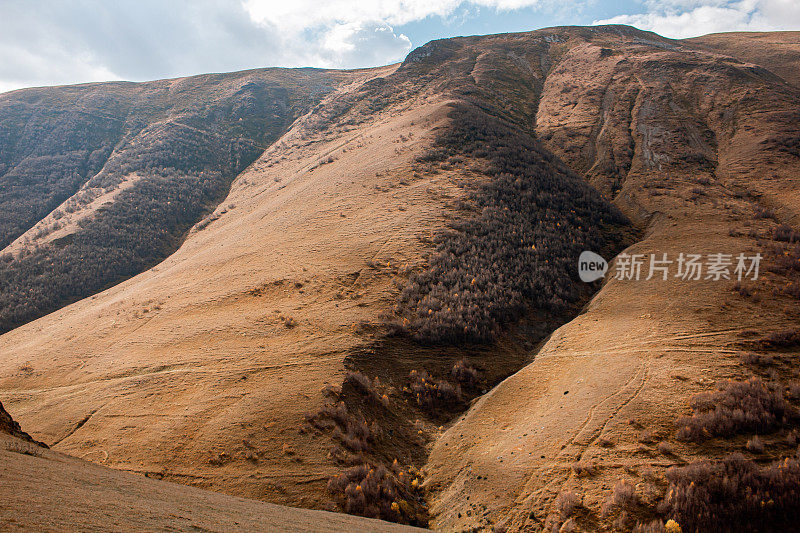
(53, 41)
(56, 41)
(302, 14)
(690, 18)
(363, 43)
(358, 33)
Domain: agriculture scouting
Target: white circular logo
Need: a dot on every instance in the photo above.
(591, 266)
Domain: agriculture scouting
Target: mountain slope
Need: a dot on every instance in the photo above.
(100, 181)
(703, 150)
(776, 51)
(227, 344)
(421, 226)
(48, 491)
(209, 368)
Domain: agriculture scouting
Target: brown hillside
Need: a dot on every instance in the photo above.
(432, 212)
(10, 427)
(777, 51)
(201, 370)
(697, 148)
(44, 490)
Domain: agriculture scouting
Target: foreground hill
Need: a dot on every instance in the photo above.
(44, 490)
(409, 243)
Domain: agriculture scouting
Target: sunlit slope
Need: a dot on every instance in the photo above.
(201, 369)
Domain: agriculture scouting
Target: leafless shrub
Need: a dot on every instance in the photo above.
(755, 359)
(329, 415)
(647, 436)
(566, 503)
(622, 522)
(786, 338)
(786, 233)
(763, 212)
(357, 434)
(741, 406)
(742, 289)
(368, 388)
(353, 431)
(755, 445)
(623, 497)
(664, 448)
(464, 374)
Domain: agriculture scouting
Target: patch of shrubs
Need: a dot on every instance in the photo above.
(734, 495)
(434, 394)
(352, 431)
(145, 224)
(368, 389)
(757, 359)
(186, 144)
(786, 338)
(530, 220)
(750, 406)
(377, 491)
(784, 260)
(357, 434)
(786, 233)
(465, 375)
(755, 445)
(566, 503)
(761, 212)
(623, 498)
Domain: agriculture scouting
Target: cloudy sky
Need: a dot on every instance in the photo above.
(50, 42)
